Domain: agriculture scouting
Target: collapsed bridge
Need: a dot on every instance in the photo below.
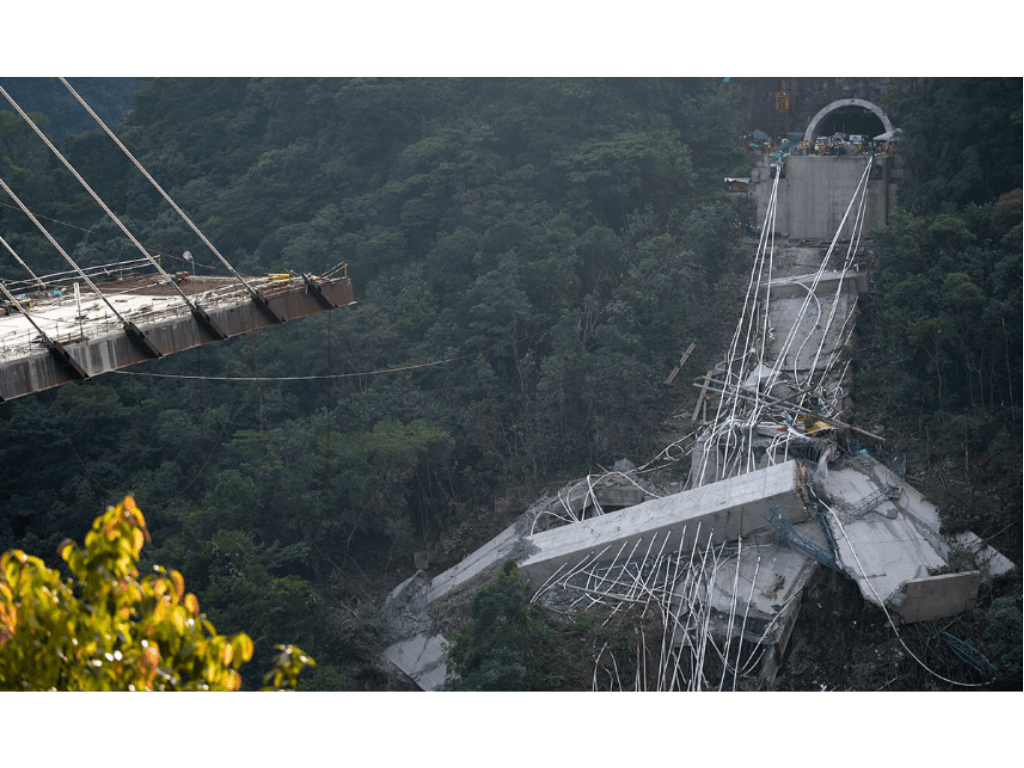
(779, 486)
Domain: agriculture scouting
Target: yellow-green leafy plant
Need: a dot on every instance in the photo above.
(107, 629)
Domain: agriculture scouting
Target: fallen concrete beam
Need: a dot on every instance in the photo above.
(725, 510)
(482, 563)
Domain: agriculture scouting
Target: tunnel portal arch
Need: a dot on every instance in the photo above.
(835, 106)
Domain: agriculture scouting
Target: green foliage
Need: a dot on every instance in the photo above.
(961, 137)
(324, 678)
(267, 608)
(1003, 632)
(21, 152)
(107, 629)
(546, 246)
(496, 652)
(949, 308)
(628, 172)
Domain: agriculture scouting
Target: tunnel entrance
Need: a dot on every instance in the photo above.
(849, 116)
(850, 120)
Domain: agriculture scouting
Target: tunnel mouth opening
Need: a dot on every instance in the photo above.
(849, 116)
(850, 120)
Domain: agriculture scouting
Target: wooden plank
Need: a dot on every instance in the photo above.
(682, 362)
(700, 398)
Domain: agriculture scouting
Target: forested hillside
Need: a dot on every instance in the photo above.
(941, 351)
(939, 358)
(542, 249)
(530, 257)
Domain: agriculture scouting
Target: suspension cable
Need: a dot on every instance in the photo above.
(35, 277)
(24, 310)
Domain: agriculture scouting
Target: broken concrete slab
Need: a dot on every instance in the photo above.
(814, 339)
(796, 286)
(405, 610)
(422, 657)
(888, 539)
(753, 612)
(936, 597)
(925, 515)
(881, 555)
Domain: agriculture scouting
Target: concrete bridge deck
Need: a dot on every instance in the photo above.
(91, 339)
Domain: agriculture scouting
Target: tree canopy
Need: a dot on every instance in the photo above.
(495, 652)
(948, 313)
(533, 253)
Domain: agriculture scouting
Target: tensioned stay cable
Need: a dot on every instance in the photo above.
(152, 251)
(18, 259)
(24, 310)
(158, 188)
(96, 197)
(61, 250)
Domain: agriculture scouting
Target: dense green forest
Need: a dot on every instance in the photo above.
(941, 358)
(549, 245)
(557, 241)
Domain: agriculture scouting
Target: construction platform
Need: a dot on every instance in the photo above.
(67, 332)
